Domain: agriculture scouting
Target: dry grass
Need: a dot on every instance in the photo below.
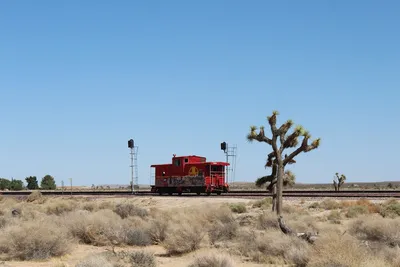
(352, 233)
(126, 209)
(264, 203)
(34, 240)
(185, 235)
(273, 247)
(212, 260)
(132, 258)
(238, 207)
(386, 231)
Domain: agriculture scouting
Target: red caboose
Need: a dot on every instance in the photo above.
(191, 174)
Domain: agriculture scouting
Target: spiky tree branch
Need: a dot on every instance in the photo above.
(275, 159)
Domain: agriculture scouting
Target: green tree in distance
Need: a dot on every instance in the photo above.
(280, 141)
(16, 185)
(48, 183)
(4, 184)
(32, 182)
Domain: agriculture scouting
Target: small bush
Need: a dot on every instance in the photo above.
(267, 220)
(274, 247)
(314, 205)
(390, 209)
(137, 237)
(212, 260)
(60, 206)
(330, 204)
(263, 203)
(334, 216)
(386, 231)
(337, 250)
(355, 211)
(158, 229)
(98, 228)
(126, 209)
(221, 224)
(36, 196)
(141, 259)
(36, 240)
(238, 207)
(184, 236)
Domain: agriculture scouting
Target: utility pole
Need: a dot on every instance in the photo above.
(70, 180)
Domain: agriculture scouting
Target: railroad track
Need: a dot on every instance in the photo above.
(233, 193)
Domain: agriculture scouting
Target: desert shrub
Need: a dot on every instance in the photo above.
(273, 247)
(238, 207)
(314, 205)
(60, 206)
(288, 209)
(334, 216)
(212, 260)
(372, 208)
(264, 203)
(89, 206)
(137, 237)
(35, 196)
(106, 205)
(34, 240)
(3, 221)
(184, 235)
(141, 259)
(390, 208)
(390, 255)
(267, 220)
(98, 228)
(221, 224)
(330, 204)
(158, 228)
(125, 209)
(355, 211)
(386, 231)
(334, 249)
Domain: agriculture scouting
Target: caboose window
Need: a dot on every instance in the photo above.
(186, 160)
(177, 162)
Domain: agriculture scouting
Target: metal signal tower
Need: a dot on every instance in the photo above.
(230, 152)
(134, 166)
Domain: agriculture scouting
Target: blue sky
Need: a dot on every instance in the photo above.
(80, 78)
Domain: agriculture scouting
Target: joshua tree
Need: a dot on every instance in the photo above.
(277, 159)
(340, 181)
(289, 179)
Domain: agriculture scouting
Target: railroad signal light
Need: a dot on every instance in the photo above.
(130, 143)
(223, 146)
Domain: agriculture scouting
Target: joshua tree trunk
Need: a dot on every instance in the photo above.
(279, 188)
(273, 198)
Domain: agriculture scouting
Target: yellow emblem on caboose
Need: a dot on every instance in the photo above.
(193, 171)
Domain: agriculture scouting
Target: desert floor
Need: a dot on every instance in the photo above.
(334, 221)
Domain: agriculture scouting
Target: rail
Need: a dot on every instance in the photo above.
(232, 193)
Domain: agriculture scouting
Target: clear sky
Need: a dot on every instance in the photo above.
(80, 78)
